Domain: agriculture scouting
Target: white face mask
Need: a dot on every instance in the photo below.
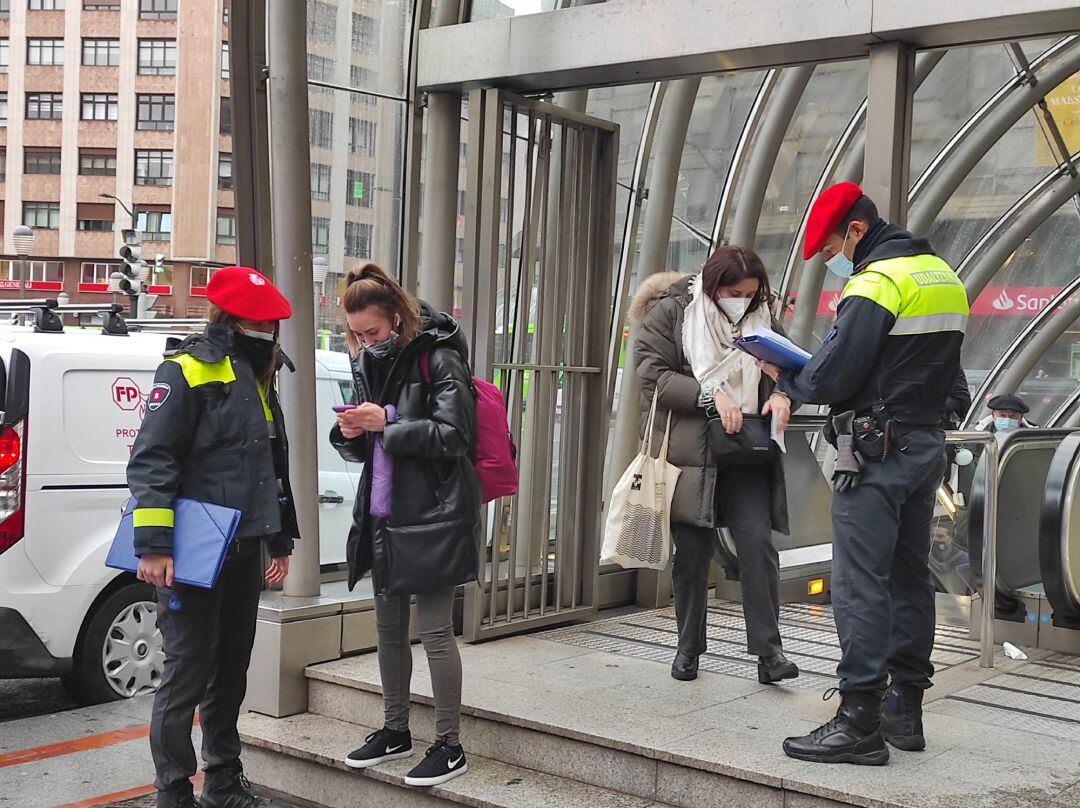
(263, 335)
(734, 308)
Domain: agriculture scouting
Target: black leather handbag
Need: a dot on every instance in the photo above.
(750, 446)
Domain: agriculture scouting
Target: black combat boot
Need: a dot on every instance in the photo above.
(901, 718)
(684, 668)
(226, 787)
(853, 736)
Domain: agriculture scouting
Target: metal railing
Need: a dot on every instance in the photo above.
(989, 538)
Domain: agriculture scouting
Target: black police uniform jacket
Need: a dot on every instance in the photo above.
(206, 436)
(431, 538)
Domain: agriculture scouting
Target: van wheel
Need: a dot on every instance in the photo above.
(121, 653)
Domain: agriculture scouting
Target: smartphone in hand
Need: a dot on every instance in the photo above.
(344, 407)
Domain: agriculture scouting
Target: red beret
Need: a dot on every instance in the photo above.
(248, 294)
(826, 214)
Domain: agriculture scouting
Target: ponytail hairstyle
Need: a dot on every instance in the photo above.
(369, 285)
(731, 264)
(222, 317)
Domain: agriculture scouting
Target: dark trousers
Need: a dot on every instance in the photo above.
(882, 592)
(208, 634)
(744, 497)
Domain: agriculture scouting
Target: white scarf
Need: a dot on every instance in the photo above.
(708, 342)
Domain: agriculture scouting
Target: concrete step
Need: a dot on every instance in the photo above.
(545, 739)
(301, 757)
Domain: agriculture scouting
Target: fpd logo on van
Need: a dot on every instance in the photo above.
(126, 394)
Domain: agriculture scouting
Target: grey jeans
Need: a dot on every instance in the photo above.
(434, 613)
(744, 497)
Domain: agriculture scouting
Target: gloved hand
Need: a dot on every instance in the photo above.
(848, 462)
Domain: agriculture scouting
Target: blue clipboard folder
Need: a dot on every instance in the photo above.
(773, 351)
(202, 533)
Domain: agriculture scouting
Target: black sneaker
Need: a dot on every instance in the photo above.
(441, 764)
(379, 747)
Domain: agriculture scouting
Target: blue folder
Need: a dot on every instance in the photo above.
(768, 351)
(202, 533)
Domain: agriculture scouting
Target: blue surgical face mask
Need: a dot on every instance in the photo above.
(840, 264)
(1002, 424)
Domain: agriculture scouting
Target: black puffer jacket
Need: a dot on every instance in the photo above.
(431, 539)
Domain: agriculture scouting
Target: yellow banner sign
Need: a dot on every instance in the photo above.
(1064, 105)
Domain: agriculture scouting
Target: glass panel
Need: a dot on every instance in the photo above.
(376, 53)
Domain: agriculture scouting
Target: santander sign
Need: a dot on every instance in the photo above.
(994, 301)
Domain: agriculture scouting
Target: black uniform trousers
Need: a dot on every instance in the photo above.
(744, 497)
(208, 635)
(882, 590)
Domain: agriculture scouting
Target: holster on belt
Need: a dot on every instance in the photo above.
(847, 468)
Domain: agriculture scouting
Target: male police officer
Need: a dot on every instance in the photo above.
(886, 369)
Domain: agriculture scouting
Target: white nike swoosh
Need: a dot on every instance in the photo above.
(391, 749)
(451, 764)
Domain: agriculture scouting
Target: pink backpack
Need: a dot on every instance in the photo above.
(495, 450)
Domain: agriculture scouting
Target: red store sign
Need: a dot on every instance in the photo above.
(994, 301)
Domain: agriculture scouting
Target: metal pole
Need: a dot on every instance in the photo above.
(765, 149)
(675, 114)
(888, 128)
(22, 277)
(435, 277)
(291, 198)
(989, 559)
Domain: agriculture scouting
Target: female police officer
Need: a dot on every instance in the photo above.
(214, 432)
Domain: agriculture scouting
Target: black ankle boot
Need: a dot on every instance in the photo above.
(226, 787)
(901, 718)
(684, 668)
(775, 668)
(853, 736)
(181, 797)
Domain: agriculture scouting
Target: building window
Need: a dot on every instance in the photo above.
(358, 188)
(321, 21)
(320, 234)
(321, 128)
(46, 5)
(96, 225)
(101, 5)
(102, 164)
(225, 123)
(365, 33)
(157, 9)
(5, 9)
(156, 111)
(153, 167)
(5, 55)
(45, 51)
(97, 274)
(226, 229)
(366, 78)
(99, 106)
(44, 215)
(157, 57)
(3, 164)
(44, 106)
(225, 12)
(358, 239)
(320, 68)
(41, 161)
(224, 170)
(3, 109)
(362, 137)
(47, 275)
(101, 52)
(320, 182)
(225, 71)
(154, 225)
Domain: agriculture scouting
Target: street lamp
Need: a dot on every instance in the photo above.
(23, 239)
(130, 211)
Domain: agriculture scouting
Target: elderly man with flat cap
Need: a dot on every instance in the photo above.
(886, 370)
(1007, 412)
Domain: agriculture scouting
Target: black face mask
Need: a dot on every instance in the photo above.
(259, 352)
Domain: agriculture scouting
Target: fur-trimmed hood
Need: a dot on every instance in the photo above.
(650, 291)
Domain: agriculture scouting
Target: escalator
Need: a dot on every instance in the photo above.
(1059, 538)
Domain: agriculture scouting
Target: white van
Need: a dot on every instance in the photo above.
(71, 404)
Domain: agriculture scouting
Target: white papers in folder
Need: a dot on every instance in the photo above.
(765, 333)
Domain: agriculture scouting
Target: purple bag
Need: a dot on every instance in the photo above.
(382, 473)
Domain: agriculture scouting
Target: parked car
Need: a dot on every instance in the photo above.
(71, 405)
